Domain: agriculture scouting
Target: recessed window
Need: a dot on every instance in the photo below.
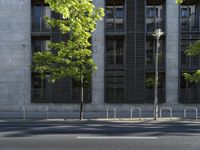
(39, 11)
(189, 92)
(152, 12)
(150, 84)
(115, 52)
(188, 62)
(189, 17)
(114, 86)
(185, 12)
(154, 15)
(150, 52)
(115, 16)
(40, 45)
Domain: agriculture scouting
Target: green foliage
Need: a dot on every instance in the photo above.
(179, 1)
(193, 50)
(150, 81)
(73, 57)
(195, 77)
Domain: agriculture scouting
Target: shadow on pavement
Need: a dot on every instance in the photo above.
(99, 128)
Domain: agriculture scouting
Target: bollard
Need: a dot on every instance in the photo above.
(46, 109)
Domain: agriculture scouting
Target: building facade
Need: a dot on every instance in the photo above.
(123, 49)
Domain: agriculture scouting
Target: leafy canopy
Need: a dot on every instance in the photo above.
(73, 57)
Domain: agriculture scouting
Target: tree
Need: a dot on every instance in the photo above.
(73, 57)
(193, 50)
(179, 1)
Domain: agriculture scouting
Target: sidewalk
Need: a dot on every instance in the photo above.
(100, 121)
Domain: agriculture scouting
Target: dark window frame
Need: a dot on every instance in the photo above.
(114, 5)
(157, 20)
(114, 86)
(42, 27)
(114, 40)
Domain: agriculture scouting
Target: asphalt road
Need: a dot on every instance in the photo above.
(37, 135)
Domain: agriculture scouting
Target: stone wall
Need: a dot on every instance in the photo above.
(15, 53)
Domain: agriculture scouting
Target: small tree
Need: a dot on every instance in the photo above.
(193, 50)
(73, 57)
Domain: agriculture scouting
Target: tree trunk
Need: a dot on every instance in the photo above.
(42, 89)
(81, 104)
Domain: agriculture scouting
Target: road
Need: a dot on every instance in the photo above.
(98, 135)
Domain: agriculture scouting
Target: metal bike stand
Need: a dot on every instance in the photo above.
(46, 109)
(114, 112)
(135, 108)
(191, 108)
(166, 108)
(23, 111)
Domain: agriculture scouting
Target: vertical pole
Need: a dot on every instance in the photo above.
(115, 115)
(185, 113)
(107, 113)
(47, 109)
(24, 113)
(131, 113)
(81, 104)
(140, 114)
(156, 82)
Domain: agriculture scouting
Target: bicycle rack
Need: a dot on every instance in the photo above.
(166, 108)
(191, 108)
(24, 111)
(47, 111)
(135, 108)
(114, 111)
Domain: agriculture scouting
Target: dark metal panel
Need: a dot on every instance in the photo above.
(135, 52)
(130, 70)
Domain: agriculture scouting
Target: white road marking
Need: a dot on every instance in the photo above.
(116, 137)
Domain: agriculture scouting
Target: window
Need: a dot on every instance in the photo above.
(188, 62)
(189, 17)
(150, 52)
(39, 11)
(115, 16)
(41, 89)
(119, 12)
(152, 12)
(114, 86)
(114, 52)
(149, 82)
(154, 16)
(109, 12)
(189, 92)
(39, 45)
(185, 12)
